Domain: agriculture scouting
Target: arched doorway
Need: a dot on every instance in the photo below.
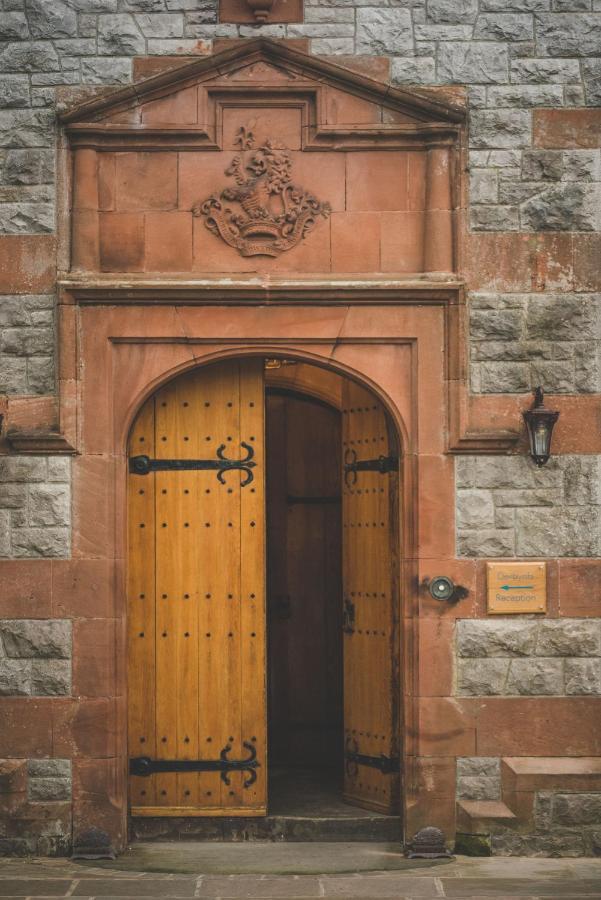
(262, 592)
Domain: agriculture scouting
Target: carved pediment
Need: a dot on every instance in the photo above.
(191, 106)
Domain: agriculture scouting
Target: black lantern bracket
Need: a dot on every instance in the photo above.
(540, 422)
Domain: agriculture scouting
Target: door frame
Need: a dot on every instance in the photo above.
(399, 344)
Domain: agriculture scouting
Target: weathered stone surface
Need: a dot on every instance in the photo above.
(496, 324)
(15, 677)
(48, 543)
(478, 787)
(409, 70)
(577, 809)
(542, 165)
(168, 25)
(54, 19)
(583, 676)
(475, 509)
(582, 165)
(50, 677)
(505, 378)
(118, 35)
(39, 638)
(452, 12)
(563, 207)
(557, 843)
(481, 677)
(45, 790)
(33, 56)
(494, 218)
(535, 677)
(14, 90)
(50, 505)
(573, 531)
(545, 71)
(568, 34)
(49, 768)
(100, 70)
(486, 542)
(488, 766)
(13, 26)
(569, 637)
(504, 27)
(471, 62)
(563, 317)
(500, 128)
(502, 637)
(382, 31)
(28, 167)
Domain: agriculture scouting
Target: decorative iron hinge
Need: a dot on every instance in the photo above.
(352, 465)
(352, 759)
(142, 465)
(348, 616)
(144, 765)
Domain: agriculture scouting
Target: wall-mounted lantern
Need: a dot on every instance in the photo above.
(540, 422)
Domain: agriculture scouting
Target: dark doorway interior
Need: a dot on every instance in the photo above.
(304, 605)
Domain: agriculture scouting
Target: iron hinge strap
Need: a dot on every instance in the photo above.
(143, 465)
(387, 765)
(144, 765)
(381, 464)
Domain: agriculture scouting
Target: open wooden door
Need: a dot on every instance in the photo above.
(196, 596)
(369, 541)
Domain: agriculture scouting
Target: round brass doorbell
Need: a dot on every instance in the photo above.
(441, 588)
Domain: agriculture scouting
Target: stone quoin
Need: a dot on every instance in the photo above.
(277, 281)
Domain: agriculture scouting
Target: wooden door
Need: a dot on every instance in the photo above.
(370, 649)
(304, 580)
(196, 597)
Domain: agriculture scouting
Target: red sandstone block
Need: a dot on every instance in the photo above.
(82, 588)
(85, 728)
(121, 242)
(587, 262)
(27, 263)
(25, 591)
(436, 654)
(567, 128)
(536, 726)
(26, 727)
(94, 655)
(168, 242)
(146, 181)
(580, 587)
(445, 727)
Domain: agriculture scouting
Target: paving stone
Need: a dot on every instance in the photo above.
(140, 887)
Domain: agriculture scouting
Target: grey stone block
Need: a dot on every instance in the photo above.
(26, 128)
(582, 480)
(383, 31)
(22, 468)
(494, 218)
(52, 20)
(504, 27)
(13, 26)
(118, 35)
(169, 25)
(48, 790)
(13, 496)
(523, 497)
(486, 542)
(409, 70)
(37, 638)
(504, 378)
(564, 207)
(40, 374)
(582, 165)
(5, 525)
(14, 90)
(100, 70)
(569, 637)
(518, 6)
(545, 71)
(500, 128)
(49, 768)
(481, 677)
(565, 317)
(591, 76)
(577, 809)
(475, 509)
(45, 543)
(491, 638)
(33, 56)
(452, 12)
(525, 95)
(478, 787)
(542, 165)
(568, 34)
(535, 677)
(583, 676)
(488, 766)
(15, 677)
(468, 62)
(50, 677)
(496, 324)
(28, 167)
(484, 186)
(50, 504)
(573, 531)
(553, 844)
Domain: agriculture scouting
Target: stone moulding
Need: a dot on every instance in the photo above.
(462, 436)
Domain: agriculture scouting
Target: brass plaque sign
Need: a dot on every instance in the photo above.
(516, 587)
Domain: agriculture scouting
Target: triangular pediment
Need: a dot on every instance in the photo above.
(188, 105)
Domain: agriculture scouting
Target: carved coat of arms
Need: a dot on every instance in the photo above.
(271, 214)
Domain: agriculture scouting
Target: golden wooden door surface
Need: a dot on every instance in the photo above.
(370, 651)
(196, 595)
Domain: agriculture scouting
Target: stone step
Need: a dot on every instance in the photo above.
(522, 777)
(479, 816)
(377, 828)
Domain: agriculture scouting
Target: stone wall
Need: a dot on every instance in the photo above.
(35, 657)
(35, 506)
(528, 657)
(35, 807)
(507, 507)
(27, 344)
